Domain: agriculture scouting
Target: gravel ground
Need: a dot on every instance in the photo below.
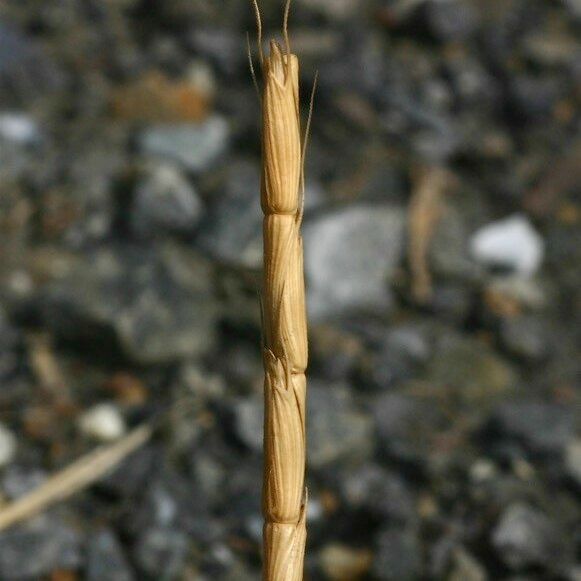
(443, 258)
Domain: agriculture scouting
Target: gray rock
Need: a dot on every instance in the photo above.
(161, 552)
(452, 302)
(96, 164)
(471, 370)
(535, 96)
(171, 502)
(133, 475)
(221, 562)
(358, 61)
(196, 146)
(404, 350)
(543, 428)
(105, 558)
(573, 461)
(315, 195)
(398, 556)
(380, 492)
(198, 388)
(242, 365)
(337, 430)
(10, 345)
(474, 84)
(575, 7)
(437, 144)
(26, 71)
(525, 537)
(37, 548)
(232, 229)
(411, 340)
(453, 20)
(249, 418)
(156, 303)
(209, 475)
(240, 494)
(351, 255)
(159, 506)
(335, 352)
(165, 201)
(220, 45)
(19, 480)
(406, 426)
(526, 336)
(448, 253)
(333, 9)
(551, 49)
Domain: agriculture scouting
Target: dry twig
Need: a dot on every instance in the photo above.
(46, 368)
(80, 474)
(424, 214)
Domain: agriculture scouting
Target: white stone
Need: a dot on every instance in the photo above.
(315, 510)
(18, 127)
(511, 243)
(482, 470)
(103, 422)
(7, 445)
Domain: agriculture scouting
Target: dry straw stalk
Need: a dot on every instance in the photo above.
(284, 317)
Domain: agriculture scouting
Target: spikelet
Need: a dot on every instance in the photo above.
(284, 291)
(284, 319)
(284, 441)
(281, 140)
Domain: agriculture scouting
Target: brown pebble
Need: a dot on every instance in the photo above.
(155, 97)
(127, 389)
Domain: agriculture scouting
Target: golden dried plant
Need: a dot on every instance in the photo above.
(284, 317)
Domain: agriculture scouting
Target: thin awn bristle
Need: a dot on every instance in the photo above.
(285, 28)
(306, 144)
(251, 65)
(258, 31)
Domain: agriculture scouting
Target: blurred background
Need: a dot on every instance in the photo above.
(442, 247)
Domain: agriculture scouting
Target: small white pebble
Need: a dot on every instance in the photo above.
(512, 243)
(7, 446)
(222, 554)
(254, 526)
(103, 422)
(201, 76)
(482, 470)
(315, 511)
(18, 127)
(20, 282)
